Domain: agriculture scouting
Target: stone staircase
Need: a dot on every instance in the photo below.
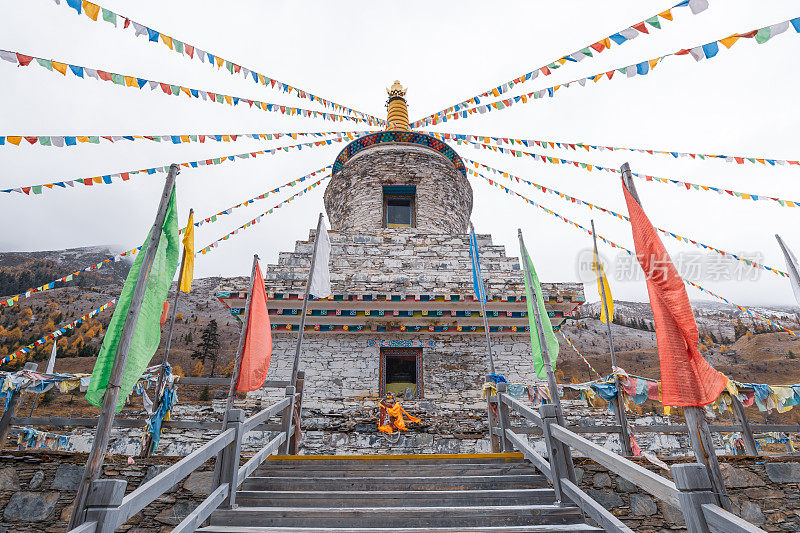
(408, 494)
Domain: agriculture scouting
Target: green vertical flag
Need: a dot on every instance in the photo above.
(147, 332)
(549, 335)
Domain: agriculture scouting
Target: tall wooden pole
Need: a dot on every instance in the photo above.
(94, 464)
(237, 366)
(146, 451)
(296, 363)
(483, 301)
(548, 366)
(619, 406)
(696, 423)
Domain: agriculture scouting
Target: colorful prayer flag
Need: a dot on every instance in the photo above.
(257, 350)
(791, 268)
(147, 330)
(477, 277)
(187, 274)
(547, 326)
(687, 378)
(321, 277)
(603, 288)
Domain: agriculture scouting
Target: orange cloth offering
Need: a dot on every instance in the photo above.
(396, 421)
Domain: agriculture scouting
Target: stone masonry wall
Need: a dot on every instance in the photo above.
(354, 197)
(408, 262)
(37, 490)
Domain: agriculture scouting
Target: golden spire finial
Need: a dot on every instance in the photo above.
(397, 117)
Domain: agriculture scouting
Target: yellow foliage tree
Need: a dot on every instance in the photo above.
(198, 369)
(178, 371)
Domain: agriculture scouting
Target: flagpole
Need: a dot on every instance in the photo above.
(94, 463)
(622, 418)
(696, 422)
(551, 377)
(296, 363)
(237, 365)
(146, 451)
(483, 301)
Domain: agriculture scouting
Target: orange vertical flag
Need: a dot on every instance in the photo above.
(686, 377)
(258, 341)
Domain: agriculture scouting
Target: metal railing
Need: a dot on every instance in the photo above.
(108, 507)
(691, 492)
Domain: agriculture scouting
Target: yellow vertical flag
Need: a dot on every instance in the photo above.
(187, 272)
(602, 286)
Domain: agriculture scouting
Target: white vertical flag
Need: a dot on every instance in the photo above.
(52, 362)
(791, 268)
(321, 277)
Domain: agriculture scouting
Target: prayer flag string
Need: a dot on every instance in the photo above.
(97, 12)
(62, 141)
(578, 201)
(126, 80)
(630, 252)
(575, 349)
(11, 300)
(108, 179)
(641, 68)
(8, 302)
(57, 333)
(618, 38)
(257, 219)
(739, 160)
(646, 177)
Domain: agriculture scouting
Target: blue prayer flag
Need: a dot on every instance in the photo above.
(152, 35)
(477, 277)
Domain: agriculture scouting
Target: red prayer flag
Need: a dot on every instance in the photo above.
(686, 377)
(24, 60)
(257, 349)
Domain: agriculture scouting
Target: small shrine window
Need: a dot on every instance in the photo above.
(401, 372)
(398, 206)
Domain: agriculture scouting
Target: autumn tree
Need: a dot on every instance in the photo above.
(208, 347)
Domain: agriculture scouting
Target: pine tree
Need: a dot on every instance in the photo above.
(208, 347)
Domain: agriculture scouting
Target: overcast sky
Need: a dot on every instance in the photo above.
(743, 102)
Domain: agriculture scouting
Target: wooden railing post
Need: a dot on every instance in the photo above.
(102, 503)
(294, 442)
(286, 420)
(695, 490)
(11, 412)
(504, 419)
(493, 439)
(703, 447)
(747, 432)
(555, 449)
(229, 471)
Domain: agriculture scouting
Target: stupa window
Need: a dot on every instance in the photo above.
(401, 372)
(398, 206)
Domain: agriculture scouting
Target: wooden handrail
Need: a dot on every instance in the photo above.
(691, 495)
(255, 461)
(656, 485)
(194, 519)
(529, 453)
(265, 414)
(721, 521)
(144, 495)
(522, 409)
(225, 382)
(600, 514)
(86, 527)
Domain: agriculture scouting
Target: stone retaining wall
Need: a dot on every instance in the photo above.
(37, 489)
(764, 491)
